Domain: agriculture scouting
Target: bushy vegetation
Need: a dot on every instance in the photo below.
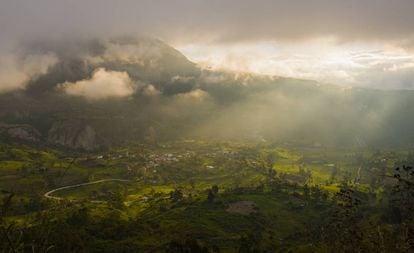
(206, 196)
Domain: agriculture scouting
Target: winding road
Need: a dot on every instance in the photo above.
(48, 194)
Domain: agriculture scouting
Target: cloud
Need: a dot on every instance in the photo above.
(132, 50)
(372, 65)
(232, 25)
(15, 72)
(189, 106)
(103, 84)
(225, 21)
(383, 69)
(194, 95)
(150, 91)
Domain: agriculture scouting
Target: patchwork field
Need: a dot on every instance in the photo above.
(217, 196)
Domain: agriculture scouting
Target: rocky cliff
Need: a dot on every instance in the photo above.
(73, 134)
(20, 132)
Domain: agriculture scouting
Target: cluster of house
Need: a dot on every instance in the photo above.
(154, 160)
(157, 159)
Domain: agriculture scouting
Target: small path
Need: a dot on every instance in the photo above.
(49, 196)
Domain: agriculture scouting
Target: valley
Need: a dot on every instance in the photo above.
(207, 195)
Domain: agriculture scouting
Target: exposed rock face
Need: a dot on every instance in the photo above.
(19, 132)
(73, 134)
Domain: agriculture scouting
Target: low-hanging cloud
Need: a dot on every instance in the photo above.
(15, 72)
(349, 64)
(128, 49)
(103, 84)
(194, 95)
(181, 23)
(150, 91)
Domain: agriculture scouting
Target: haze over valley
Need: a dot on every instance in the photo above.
(207, 126)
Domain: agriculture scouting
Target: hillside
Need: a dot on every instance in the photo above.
(102, 93)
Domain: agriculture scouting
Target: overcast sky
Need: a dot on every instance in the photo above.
(349, 42)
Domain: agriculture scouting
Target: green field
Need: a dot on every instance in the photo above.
(267, 197)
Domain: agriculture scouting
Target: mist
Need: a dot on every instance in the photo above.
(316, 41)
(103, 84)
(207, 126)
(144, 83)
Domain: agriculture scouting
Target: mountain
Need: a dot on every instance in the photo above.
(144, 83)
(144, 59)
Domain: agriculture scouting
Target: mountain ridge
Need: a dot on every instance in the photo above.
(181, 100)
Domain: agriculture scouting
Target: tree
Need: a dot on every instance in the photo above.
(343, 233)
(306, 191)
(190, 245)
(79, 217)
(402, 202)
(250, 243)
(11, 238)
(215, 189)
(272, 173)
(14, 238)
(272, 158)
(334, 174)
(176, 195)
(210, 196)
(318, 194)
(212, 193)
